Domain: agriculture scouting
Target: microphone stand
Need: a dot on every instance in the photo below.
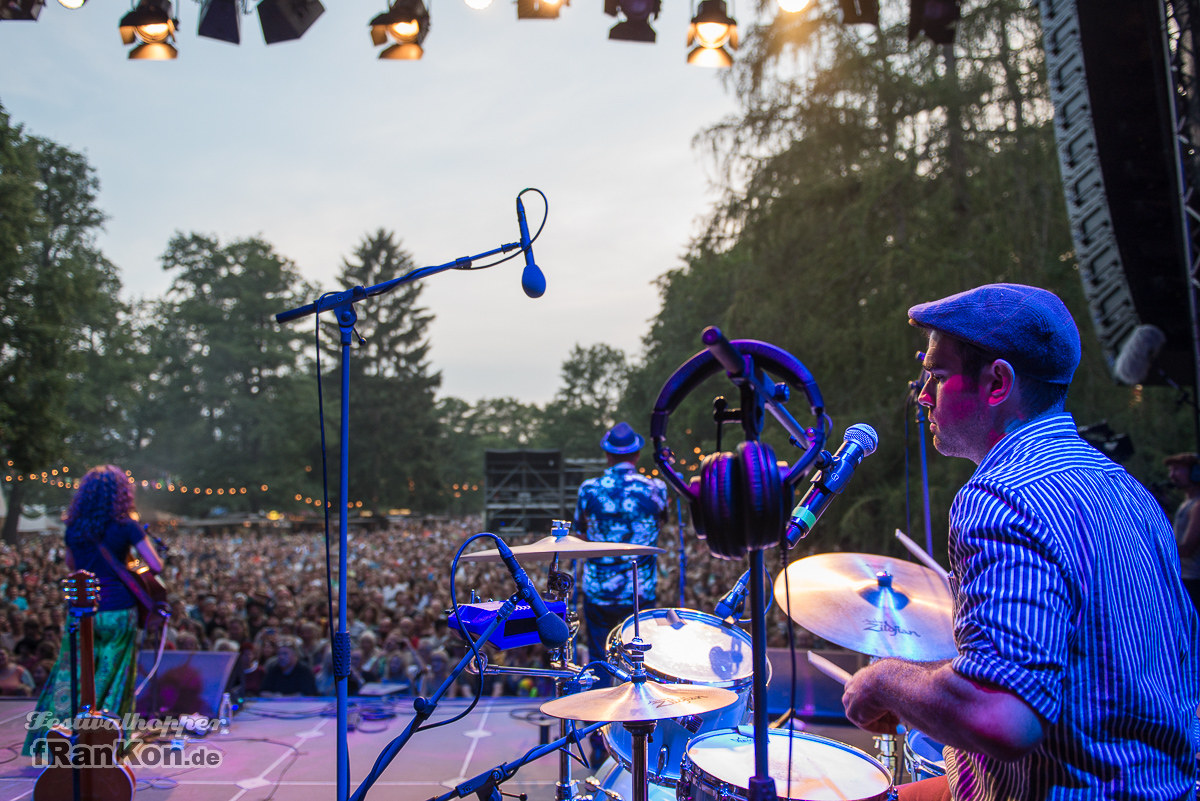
(922, 425)
(342, 305)
(425, 707)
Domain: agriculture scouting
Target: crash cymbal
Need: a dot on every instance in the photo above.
(636, 701)
(565, 547)
(875, 605)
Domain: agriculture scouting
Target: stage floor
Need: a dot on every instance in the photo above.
(287, 749)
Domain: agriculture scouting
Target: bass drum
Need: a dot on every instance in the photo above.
(718, 767)
(686, 647)
(615, 780)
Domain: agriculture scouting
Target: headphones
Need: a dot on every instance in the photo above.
(741, 500)
(1194, 472)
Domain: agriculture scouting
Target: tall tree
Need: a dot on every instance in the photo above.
(594, 380)
(228, 406)
(393, 417)
(56, 291)
(864, 175)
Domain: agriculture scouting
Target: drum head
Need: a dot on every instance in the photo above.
(821, 769)
(690, 647)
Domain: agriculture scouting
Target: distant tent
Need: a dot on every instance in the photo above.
(42, 524)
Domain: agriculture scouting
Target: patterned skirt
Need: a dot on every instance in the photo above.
(115, 645)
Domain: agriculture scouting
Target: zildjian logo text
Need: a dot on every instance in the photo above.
(887, 627)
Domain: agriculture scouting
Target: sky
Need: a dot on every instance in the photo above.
(314, 143)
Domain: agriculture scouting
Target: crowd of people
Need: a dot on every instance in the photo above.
(259, 591)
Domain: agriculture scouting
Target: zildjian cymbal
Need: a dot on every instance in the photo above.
(565, 547)
(876, 605)
(637, 701)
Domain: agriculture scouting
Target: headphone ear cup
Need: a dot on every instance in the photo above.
(1194, 473)
(762, 495)
(718, 508)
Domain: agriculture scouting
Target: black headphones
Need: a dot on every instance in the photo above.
(740, 500)
(1194, 471)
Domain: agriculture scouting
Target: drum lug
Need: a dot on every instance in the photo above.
(691, 722)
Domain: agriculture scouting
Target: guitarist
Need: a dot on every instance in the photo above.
(102, 517)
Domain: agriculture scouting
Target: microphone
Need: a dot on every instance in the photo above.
(1138, 353)
(551, 629)
(860, 442)
(730, 607)
(532, 280)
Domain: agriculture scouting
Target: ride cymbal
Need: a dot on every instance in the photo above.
(875, 605)
(565, 547)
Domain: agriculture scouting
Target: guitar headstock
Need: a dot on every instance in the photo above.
(81, 591)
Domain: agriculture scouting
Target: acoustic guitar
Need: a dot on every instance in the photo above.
(97, 734)
(154, 588)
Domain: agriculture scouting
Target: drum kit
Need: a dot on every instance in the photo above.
(676, 724)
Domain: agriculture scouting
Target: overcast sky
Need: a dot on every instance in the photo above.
(313, 143)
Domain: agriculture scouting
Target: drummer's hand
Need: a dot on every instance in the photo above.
(865, 706)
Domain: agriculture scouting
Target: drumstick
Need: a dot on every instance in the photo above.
(925, 558)
(828, 668)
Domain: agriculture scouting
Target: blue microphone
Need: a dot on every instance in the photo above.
(532, 280)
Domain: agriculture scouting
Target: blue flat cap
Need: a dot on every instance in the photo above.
(622, 439)
(1027, 326)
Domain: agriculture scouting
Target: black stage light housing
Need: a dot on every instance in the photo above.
(636, 25)
(284, 20)
(21, 10)
(221, 19)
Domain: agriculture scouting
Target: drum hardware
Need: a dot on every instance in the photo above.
(638, 704)
(923, 757)
(803, 766)
(885, 747)
(568, 546)
(688, 647)
(875, 605)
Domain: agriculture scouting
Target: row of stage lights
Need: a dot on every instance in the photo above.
(59, 478)
(152, 24)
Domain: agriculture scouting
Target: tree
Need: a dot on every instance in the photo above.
(393, 417)
(866, 176)
(594, 380)
(57, 292)
(226, 407)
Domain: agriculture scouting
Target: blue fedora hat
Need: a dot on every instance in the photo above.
(621, 439)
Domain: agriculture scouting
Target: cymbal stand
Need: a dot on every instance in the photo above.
(762, 786)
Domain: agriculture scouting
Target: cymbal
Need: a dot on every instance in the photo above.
(567, 547)
(636, 701)
(876, 605)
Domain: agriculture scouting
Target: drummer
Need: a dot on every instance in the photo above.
(621, 505)
(1076, 674)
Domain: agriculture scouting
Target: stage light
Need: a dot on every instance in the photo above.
(407, 22)
(21, 10)
(72, 4)
(636, 25)
(793, 6)
(284, 20)
(221, 19)
(540, 9)
(150, 23)
(712, 29)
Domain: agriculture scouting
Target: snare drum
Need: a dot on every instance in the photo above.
(617, 781)
(922, 756)
(718, 767)
(686, 647)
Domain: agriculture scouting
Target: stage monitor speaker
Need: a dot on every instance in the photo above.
(187, 683)
(1109, 82)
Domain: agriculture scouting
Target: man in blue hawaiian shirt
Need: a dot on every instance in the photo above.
(621, 505)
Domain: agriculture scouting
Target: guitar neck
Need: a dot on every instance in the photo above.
(87, 664)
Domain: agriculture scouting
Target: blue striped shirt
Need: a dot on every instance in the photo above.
(1067, 593)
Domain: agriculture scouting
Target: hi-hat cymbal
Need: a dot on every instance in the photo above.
(875, 605)
(637, 701)
(566, 547)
